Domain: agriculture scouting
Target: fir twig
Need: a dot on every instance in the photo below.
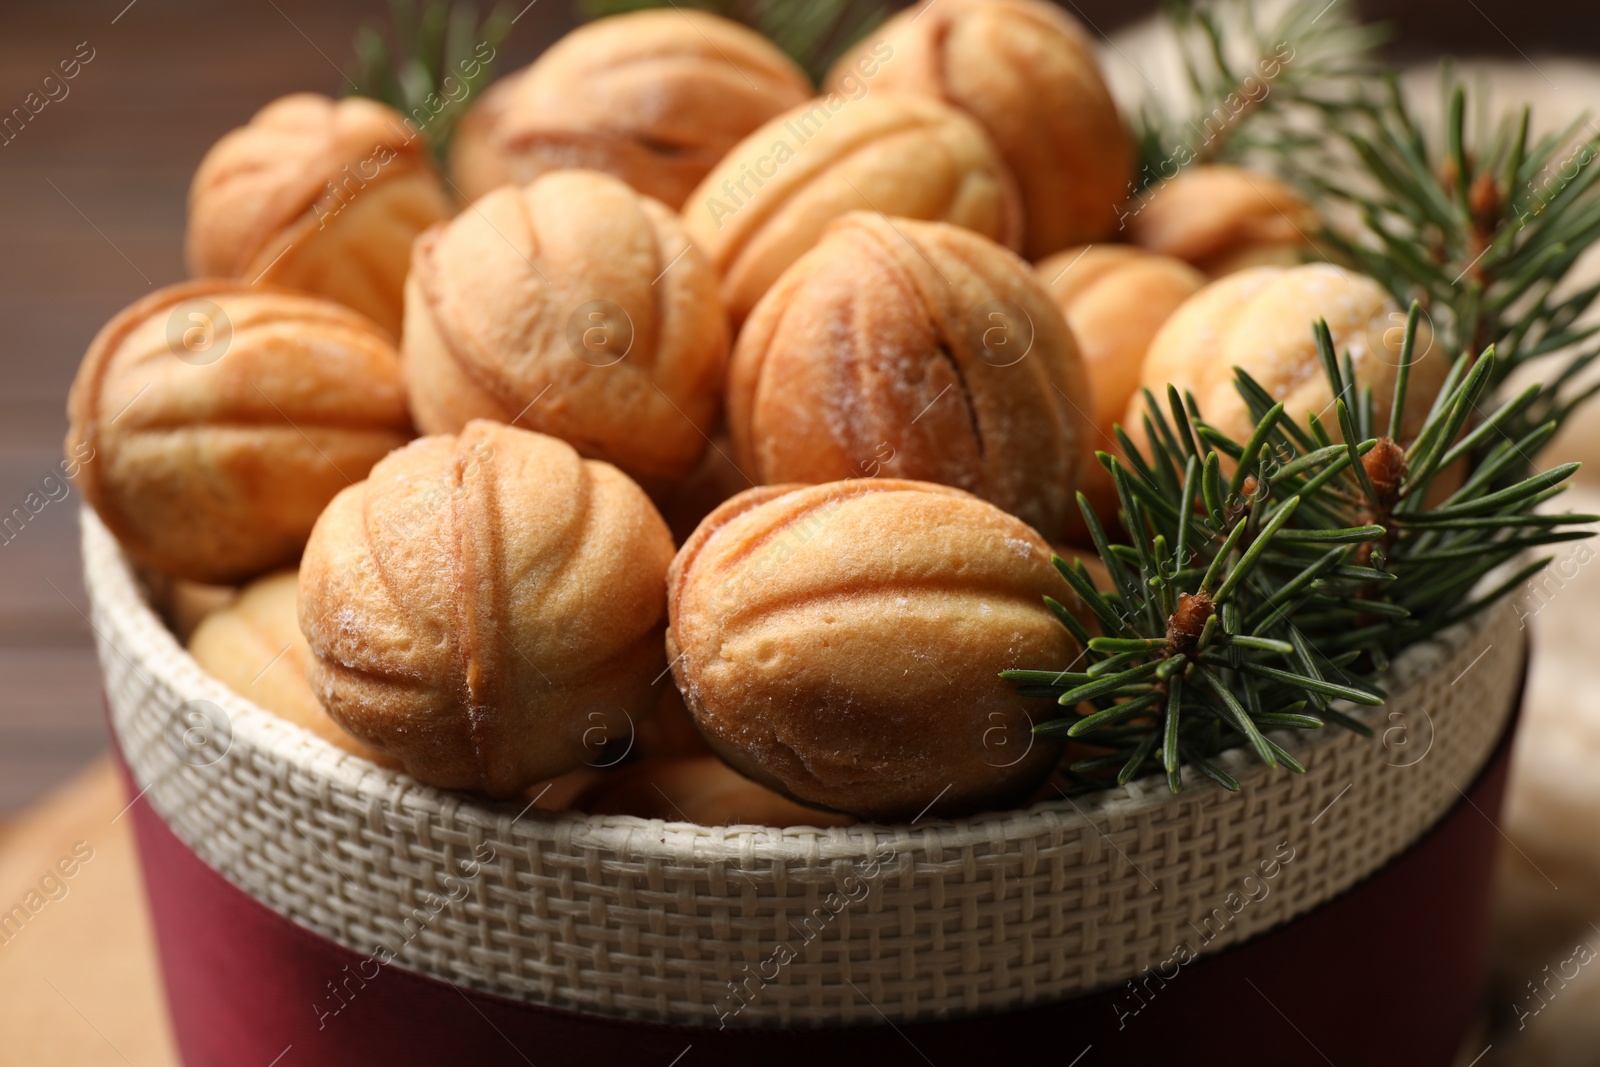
(429, 63)
(1251, 86)
(1294, 581)
(1481, 227)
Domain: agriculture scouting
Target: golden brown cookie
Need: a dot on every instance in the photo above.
(559, 793)
(479, 600)
(573, 307)
(219, 419)
(318, 195)
(1027, 72)
(655, 98)
(184, 605)
(1261, 319)
(842, 643)
(1223, 219)
(908, 156)
(254, 647)
(917, 350)
(1114, 298)
(701, 790)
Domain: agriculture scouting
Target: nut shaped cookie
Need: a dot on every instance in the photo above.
(913, 350)
(482, 602)
(1027, 72)
(907, 156)
(318, 195)
(1115, 298)
(654, 98)
(574, 307)
(842, 643)
(1223, 219)
(698, 789)
(1261, 319)
(254, 646)
(213, 421)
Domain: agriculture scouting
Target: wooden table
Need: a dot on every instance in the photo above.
(78, 982)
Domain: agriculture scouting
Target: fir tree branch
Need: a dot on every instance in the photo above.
(1482, 229)
(429, 63)
(1294, 582)
(1253, 90)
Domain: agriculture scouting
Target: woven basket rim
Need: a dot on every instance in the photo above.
(626, 917)
(264, 731)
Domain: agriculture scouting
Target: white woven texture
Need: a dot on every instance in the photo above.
(670, 922)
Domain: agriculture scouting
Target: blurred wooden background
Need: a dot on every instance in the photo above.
(92, 213)
(91, 218)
